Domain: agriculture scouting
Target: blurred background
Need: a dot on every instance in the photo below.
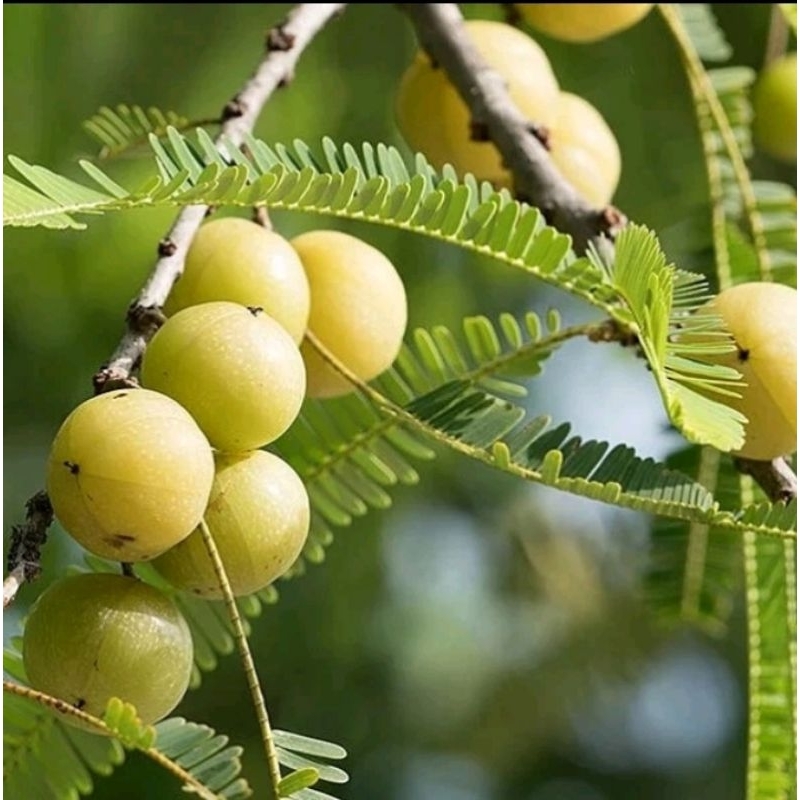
(481, 640)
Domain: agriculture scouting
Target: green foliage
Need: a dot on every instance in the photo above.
(695, 569)
(128, 127)
(705, 33)
(754, 225)
(50, 759)
(44, 758)
(458, 390)
(771, 592)
(639, 290)
(294, 751)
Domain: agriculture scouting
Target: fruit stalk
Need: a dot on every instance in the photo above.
(284, 45)
(253, 683)
(440, 30)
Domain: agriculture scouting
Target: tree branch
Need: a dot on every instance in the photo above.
(775, 477)
(441, 33)
(284, 45)
(27, 539)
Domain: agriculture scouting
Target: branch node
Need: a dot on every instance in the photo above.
(233, 108)
(542, 133)
(278, 39)
(167, 248)
(775, 477)
(612, 221)
(479, 131)
(144, 320)
(611, 331)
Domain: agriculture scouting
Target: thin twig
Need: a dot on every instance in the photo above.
(284, 45)
(240, 637)
(441, 33)
(775, 477)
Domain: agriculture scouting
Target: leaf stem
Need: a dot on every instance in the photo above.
(64, 709)
(603, 331)
(666, 508)
(253, 683)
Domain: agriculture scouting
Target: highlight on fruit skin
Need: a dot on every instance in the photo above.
(129, 474)
(435, 120)
(234, 369)
(91, 637)
(258, 515)
(585, 150)
(240, 261)
(582, 22)
(358, 309)
(762, 318)
(775, 109)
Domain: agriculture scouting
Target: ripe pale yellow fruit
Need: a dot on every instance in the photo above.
(582, 22)
(358, 309)
(129, 474)
(259, 517)
(92, 637)
(234, 369)
(237, 260)
(775, 108)
(585, 150)
(762, 317)
(435, 120)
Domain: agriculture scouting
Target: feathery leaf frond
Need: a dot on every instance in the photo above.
(118, 130)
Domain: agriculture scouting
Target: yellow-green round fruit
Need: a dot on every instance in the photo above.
(762, 317)
(582, 22)
(258, 515)
(129, 474)
(435, 120)
(234, 369)
(358, 309)
(92, 637)
(237, 260)
(585, 150)
(775, 107)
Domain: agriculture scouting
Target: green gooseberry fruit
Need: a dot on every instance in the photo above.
(775, 109)
(582, 22)
(259, 517)
(240, 261)
(129, 474)
(762, 317)
(92, 637)
(358, 309)
(236, 370)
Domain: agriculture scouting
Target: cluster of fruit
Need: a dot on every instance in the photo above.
(134, 473)
(435, 120)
